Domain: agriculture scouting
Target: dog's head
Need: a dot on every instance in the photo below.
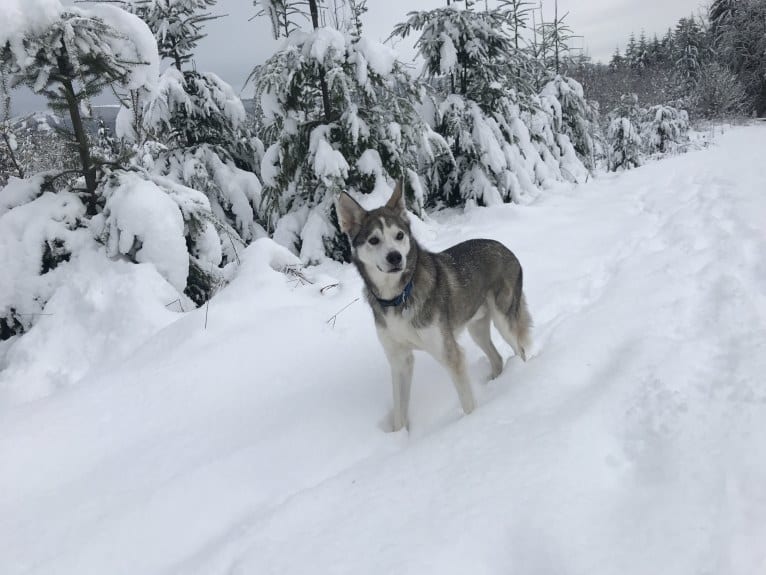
(380, 239)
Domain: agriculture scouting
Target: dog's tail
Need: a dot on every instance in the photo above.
(519, 318)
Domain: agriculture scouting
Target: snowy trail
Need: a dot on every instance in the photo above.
(632, 441)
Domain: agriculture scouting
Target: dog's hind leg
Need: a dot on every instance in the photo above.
(512, 319)
(454, 359)
(480, 333)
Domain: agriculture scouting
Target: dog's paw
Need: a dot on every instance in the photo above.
(387, 424)
(495, 373)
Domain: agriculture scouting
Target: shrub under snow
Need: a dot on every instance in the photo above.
(624, 144)
(665, 129)
(38, 232)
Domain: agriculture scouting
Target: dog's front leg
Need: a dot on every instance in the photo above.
(402, 362)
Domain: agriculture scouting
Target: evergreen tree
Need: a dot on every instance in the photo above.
(575, 117)
(617, 60)
(338, 112)
(9, 163)
(655, 51)
(517, 15)
(191, 130)
(501, 133)
(668, 44)
(623, 135)
(177, 26)
(631, 51)
(720, 13)
(642, 52)
(689, 53)
(665, 129)
(69, 62)
(740, 36)
(471, 49)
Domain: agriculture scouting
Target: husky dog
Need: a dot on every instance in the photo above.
(423, 300)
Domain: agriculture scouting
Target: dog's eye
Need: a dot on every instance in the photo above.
(374, 241)
(400, 236)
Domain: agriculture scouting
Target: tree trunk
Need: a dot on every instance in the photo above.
(82, 146)
(556, 30)
(322, 82)
(12, 155)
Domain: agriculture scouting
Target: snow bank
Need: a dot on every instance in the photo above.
(75, 306)
(37, 238)
(100, 312)
(631, 442)
(20, 191)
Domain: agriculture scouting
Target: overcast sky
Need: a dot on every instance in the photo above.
(235, 44)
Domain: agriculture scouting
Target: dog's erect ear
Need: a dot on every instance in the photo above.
(396, 201)
(350, 214)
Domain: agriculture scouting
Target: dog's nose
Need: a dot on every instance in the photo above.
(394, 258)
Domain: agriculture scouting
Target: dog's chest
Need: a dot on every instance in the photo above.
(400, 329)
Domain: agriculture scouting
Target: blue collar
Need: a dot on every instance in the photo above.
(398, 300)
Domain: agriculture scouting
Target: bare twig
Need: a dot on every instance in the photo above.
(236, 255)
(178, 301)
(334, 317)
(328, 287)
(297, 273)
(33, 313)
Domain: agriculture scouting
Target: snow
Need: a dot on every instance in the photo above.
(379, 57)
(323, 41)
(136, 45)
(158, 239)
(369, 163)
(242, 189)
(22, 17)
(270, 105)
(168, 96)
(27, 224)
(327, 162)
(631, 442)
(123, 125)
(447, 54)
(101, 312)
(18, 192)
(270, 165)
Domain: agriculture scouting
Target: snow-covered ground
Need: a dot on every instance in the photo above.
(632, 442)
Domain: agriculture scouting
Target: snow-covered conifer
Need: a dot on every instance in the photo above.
(575, 117)
(190, 133)
(624, 135)
(363, 135)
(79, 54)
(500, 131)
(665, 129)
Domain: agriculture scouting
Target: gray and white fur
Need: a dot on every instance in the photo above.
(423, 300)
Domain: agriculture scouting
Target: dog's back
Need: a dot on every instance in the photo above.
(483, 273)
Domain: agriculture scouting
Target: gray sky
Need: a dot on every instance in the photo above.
(235, 44)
